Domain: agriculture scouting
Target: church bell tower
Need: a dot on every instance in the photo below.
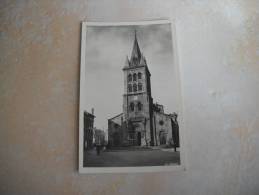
(137, 99)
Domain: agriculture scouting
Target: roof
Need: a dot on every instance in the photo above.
(89, 114)
(115, 116)
(135, 54)
(137, 58)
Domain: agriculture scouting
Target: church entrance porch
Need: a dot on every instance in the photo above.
(136, 134)
(136, 138)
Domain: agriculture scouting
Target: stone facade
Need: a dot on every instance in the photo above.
(139, 124)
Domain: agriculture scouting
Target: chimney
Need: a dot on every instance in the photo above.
(92, 111)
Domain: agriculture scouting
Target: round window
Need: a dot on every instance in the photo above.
(161, 122)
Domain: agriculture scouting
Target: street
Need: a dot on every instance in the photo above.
(127, 158)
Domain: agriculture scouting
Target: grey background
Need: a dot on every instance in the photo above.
(39, 84)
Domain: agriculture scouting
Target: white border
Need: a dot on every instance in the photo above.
(141, 169)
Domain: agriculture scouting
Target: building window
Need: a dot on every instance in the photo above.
(129, 77)
(139, 75)
(135, 87)
(132, 106)
(140, 86)
(130, 88)
(139, 106)
(134, 77)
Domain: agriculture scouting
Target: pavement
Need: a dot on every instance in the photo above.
(128, 158)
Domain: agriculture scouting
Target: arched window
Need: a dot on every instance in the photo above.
(134, 77)
(139, 106)
(139, 75)
(132, 106)
(129, 87)
(129, 77)
(135, 87)
(140, 86)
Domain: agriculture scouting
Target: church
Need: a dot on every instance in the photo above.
(141, 123)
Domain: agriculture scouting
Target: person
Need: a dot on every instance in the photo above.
(98, 146)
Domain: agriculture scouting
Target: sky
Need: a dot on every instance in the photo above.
(106, 51)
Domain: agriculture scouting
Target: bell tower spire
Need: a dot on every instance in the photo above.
(136, 53)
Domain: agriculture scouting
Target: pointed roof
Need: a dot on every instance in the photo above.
(135, 54)
(127, 63)
(137, 58)
(142, 60)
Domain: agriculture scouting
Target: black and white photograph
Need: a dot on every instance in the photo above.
(130, 101)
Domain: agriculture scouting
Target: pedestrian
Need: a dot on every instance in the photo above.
(98, 146)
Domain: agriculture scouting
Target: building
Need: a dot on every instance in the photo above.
(88, 129)
(165, 127)
(117, 134)
(142, 123)
(99, 137)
